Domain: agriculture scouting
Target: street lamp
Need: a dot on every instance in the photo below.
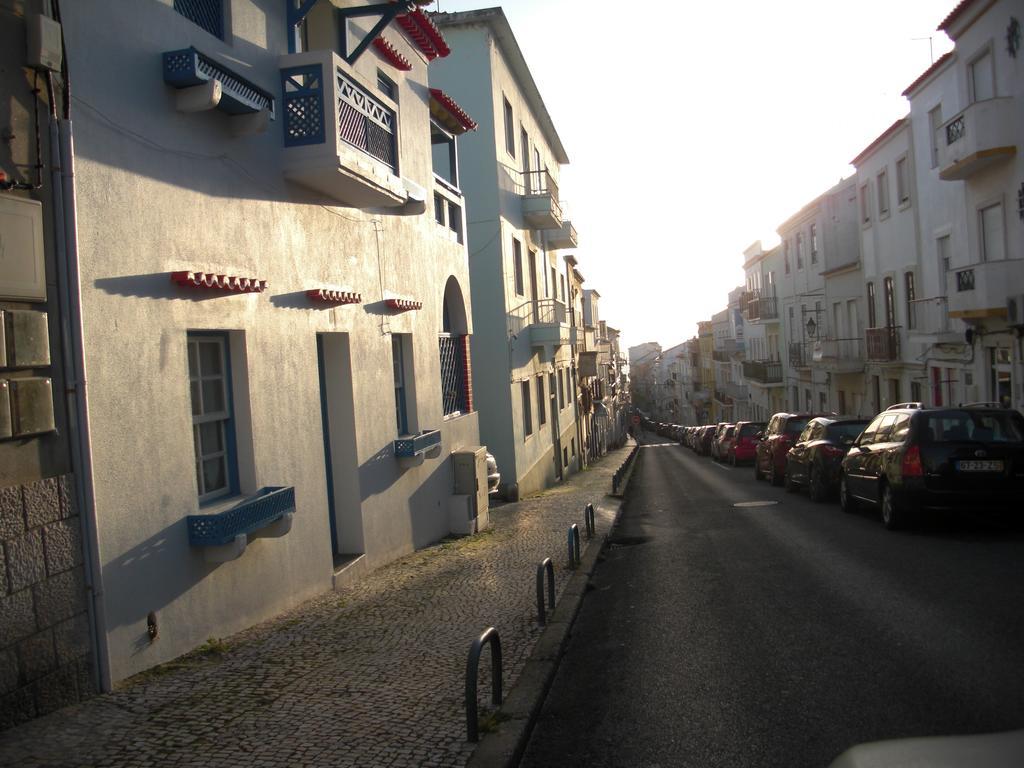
(812, 327)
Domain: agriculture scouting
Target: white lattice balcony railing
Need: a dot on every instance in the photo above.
(340, 138)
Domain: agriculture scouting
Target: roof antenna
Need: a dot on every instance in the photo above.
(931, 50)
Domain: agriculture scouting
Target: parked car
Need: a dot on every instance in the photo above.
(719, 428)
(707, 434)
(814, 461)
(744, 445)
(779, 436)
(493, 475)
(723, 439)
(912, 459)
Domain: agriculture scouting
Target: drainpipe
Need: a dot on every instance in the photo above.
(62, 172)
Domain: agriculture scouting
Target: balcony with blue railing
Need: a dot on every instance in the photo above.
(341, 138)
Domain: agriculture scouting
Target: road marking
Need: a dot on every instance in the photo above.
(746, 504)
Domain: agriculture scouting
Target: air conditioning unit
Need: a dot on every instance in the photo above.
(1015, 309)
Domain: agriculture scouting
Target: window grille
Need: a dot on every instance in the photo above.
(454, 384)
(208, 14)
(365, 123)
(212, 421)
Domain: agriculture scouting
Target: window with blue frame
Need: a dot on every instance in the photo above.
(208, 14)
(213, 429)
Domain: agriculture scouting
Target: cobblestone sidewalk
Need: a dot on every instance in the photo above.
(372, 675)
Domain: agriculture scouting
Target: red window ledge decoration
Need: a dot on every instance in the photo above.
(389, 52)
(403, 305)
(226, 283)
(422, 31)
(332, 296)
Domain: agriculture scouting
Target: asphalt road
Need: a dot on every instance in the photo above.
(780, 635)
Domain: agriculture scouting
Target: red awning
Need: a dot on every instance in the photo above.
(454, 117)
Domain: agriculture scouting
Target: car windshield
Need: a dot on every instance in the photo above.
(796, 426)
(974, 426)
(729, 431)
(747, 430)
(845, 433)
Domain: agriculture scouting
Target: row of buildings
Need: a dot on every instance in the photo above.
(273, 278)
(903, 282)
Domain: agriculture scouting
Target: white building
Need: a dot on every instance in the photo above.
(967, 112)
(522, 357)
(762, 366)
(274, 295)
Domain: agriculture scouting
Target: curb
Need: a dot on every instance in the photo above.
(523, 703)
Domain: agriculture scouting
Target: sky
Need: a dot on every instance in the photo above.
(694, 129)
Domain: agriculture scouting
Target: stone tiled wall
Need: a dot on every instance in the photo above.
(45, 653)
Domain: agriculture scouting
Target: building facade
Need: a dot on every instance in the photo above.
(265, 239)
(522, 357)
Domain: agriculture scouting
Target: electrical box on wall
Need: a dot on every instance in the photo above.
(22, 268)
(43, 43)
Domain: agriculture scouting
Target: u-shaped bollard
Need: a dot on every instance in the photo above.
(574, 545)
(542, 566)
(489, 635)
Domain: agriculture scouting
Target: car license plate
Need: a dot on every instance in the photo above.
(986, 465)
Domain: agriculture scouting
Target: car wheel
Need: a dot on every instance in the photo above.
(894, 516)
(846, 501)
(815, 486)
(787, 480)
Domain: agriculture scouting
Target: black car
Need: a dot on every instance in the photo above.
(911, 459)
(815, 460)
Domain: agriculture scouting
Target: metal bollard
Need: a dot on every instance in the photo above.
(589, 521)
(490, 635)
(542, 566)
(574, 545)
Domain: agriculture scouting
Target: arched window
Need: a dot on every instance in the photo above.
(453, 347)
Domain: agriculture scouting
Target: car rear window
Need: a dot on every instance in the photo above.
(747, 430)
(974, 426)
(845, 433)
(796, 426)
(729, 431)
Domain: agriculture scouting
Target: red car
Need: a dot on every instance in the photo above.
(776, 440)
(744, 444)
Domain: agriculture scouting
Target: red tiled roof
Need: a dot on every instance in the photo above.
(457, 114)
(955, 14)
(927, 73)
(881, 137)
